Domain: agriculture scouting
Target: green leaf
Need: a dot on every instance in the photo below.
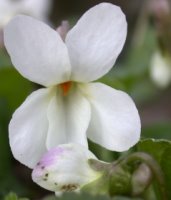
(125, 198)
(5, 153)
(159, 130)
(8, 180)
(156, 148)
(85, 196)
(13, 196)
(4, 58)
(166, 166)
(74, 196)
(14, 88)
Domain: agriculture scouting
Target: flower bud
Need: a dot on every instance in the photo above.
(141, 179)
(161, 70)
(63, 29)
(65, 168)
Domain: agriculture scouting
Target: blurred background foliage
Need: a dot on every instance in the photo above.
(131, 74)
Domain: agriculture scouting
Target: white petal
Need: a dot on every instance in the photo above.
(115, 122)
(37, 51)
(65, 168)
(56, 117)
(68, 117)
(96, 41)
(28, 128)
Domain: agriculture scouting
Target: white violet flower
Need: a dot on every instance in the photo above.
(65, 168)
(70, 108)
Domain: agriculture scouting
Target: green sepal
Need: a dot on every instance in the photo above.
(114, 179)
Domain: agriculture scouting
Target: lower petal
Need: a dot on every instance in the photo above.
(28, 128)
(69, 118)
(115, 122)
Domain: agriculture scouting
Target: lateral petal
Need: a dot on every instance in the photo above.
(115, 122)
(28, 128)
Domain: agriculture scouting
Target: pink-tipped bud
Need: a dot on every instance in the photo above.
(65, 168)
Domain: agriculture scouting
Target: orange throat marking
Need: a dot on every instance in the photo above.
(66, 87)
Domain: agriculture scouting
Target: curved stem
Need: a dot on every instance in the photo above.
(154, 166)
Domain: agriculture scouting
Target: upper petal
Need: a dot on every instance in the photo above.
(115, 122)
(37, 51)
(28, 128)
(68, 117)
(95, 42)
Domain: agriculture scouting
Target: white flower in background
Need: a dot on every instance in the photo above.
(70, 108)
(65, 168)
(36, 8)
(160, 70)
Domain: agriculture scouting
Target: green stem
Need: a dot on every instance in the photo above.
(153, 165)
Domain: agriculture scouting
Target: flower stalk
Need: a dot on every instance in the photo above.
(156, 170)
(131, 175)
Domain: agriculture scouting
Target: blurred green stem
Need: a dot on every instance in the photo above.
(153, 165)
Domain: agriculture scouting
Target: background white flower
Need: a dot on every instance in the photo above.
(36, 8)
(65, 168)
(70, 109)
(160, 70)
